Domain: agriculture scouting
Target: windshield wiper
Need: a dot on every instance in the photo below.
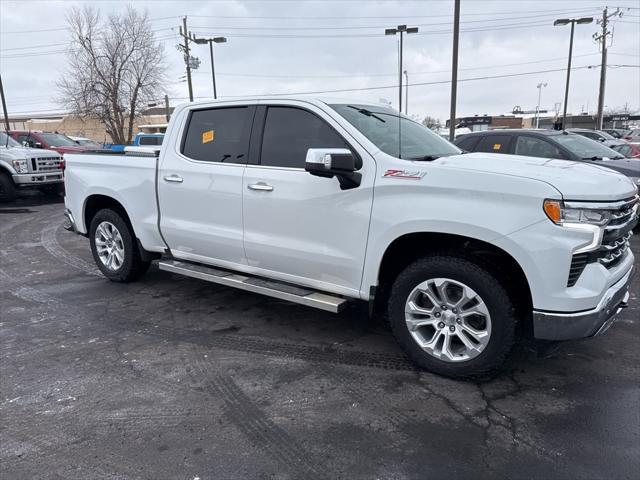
(368, 113)
(595, 157)
(425, 158)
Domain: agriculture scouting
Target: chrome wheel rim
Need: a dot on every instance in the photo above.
(109, 246)
(448, 320)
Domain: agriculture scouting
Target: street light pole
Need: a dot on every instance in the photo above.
(401, 29)
(211, 41)
(540, 85)
(572, 21)
(454, 71)
(406, 93)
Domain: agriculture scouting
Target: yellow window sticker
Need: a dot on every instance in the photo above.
(208, 136)
(497, 146)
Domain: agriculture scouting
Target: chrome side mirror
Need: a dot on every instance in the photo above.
(333, 162)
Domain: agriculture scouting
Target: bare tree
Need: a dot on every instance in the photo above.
(115, 68)
(431, 122)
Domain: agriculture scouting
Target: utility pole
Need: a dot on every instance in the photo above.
(602, 39)
(454, 71)
(4, 107)
(167, 113)
(184, 33)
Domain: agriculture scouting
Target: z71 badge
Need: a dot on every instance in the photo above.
(408, 174)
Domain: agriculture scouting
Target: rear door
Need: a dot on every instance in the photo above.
(493, 143)
(299, 227)
(200, 185)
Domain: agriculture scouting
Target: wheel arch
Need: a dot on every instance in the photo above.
(96, 202)
(409, 247)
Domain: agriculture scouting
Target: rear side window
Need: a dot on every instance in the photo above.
(493, 144)
(290, 132)
(536, 147)
(156, 140)
(219, 135)
(467, 142)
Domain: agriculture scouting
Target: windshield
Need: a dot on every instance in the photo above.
(58, 140)
(8, 141)
(584, 147)
(396, 135)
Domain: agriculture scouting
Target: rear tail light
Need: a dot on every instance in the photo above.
(63, 164)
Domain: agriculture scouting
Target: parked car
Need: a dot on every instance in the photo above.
(47, 140)
(22, 168)
(632, 135)
(618, 133)
(629, 149)
(598, 136)
(550, 144)
(87, 142)
(323, 203)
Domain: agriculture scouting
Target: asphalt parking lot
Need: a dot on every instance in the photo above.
(174, 378)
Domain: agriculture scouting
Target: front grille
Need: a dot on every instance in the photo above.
(578, 262)
(46, 164)
(615, 241)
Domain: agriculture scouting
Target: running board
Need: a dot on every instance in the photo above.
(271, 288)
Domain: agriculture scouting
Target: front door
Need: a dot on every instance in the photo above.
(200, 186)
(299, 227)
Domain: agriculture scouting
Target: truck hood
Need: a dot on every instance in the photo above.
(575, 180)
(24, 152)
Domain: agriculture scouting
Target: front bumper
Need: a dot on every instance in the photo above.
(35, 179)
(574, 325)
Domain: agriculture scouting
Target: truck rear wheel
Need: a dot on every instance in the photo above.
(7, 188)
(452, 316)
(114, 247)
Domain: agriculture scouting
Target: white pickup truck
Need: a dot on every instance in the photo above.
(322, 202)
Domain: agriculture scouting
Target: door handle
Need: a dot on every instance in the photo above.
(260, 186)
(173, 179)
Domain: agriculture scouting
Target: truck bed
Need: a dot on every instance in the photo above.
(129, 178)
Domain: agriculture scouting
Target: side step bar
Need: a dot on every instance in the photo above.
(271, 288)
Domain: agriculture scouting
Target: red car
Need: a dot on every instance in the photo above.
(47, 140)
(629, 150)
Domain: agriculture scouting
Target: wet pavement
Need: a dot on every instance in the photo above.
(176, 378)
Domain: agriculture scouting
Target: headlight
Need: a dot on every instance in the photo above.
(559, 214)
(20, 166)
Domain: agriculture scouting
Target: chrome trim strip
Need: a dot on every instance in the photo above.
(310, 298)
(601, 205)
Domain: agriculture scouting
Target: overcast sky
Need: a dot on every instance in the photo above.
(316, 46)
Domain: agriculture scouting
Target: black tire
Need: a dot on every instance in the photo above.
(8, 190)
(491, 291)
(132, 267)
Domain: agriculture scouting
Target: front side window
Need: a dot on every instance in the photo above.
(395, 134)
(536, 147)
(219, 134)
(290, 132)
(493, 144)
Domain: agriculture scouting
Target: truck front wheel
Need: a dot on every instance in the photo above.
(114, 247)
(452, 316)
(7, 188)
